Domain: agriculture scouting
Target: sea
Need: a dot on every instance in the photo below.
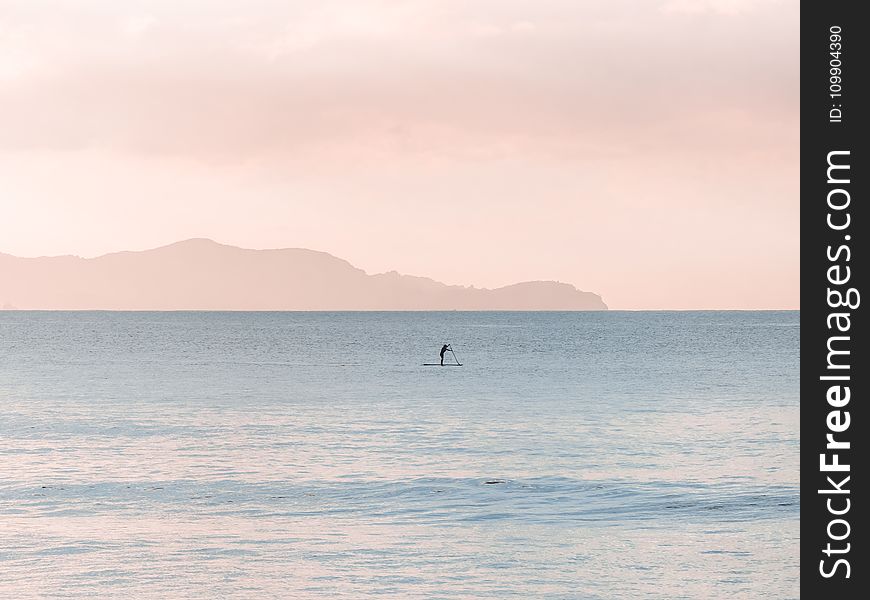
(589, 455)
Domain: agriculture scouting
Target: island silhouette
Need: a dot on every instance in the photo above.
(201, 274)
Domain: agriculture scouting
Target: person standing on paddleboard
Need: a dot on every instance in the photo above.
(444, 349)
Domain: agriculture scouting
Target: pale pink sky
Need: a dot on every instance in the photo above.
(646, 150)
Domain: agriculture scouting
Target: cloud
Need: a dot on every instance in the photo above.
(722, 7)
(434, 78)
(138, 25)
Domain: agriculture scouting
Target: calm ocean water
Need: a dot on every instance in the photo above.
(310, 455)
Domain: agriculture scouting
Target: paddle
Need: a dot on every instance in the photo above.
(450, 347)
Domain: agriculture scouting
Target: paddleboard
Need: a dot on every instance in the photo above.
(440, 365)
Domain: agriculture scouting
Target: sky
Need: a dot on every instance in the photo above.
(645, 150)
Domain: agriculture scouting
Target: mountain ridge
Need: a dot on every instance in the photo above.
(202, 274)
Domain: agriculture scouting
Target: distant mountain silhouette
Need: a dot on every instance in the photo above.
(200, 274)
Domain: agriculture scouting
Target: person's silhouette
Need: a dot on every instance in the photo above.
(444, 349)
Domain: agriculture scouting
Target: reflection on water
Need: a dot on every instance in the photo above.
(614, 455)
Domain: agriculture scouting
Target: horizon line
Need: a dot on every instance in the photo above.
(204, 239)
